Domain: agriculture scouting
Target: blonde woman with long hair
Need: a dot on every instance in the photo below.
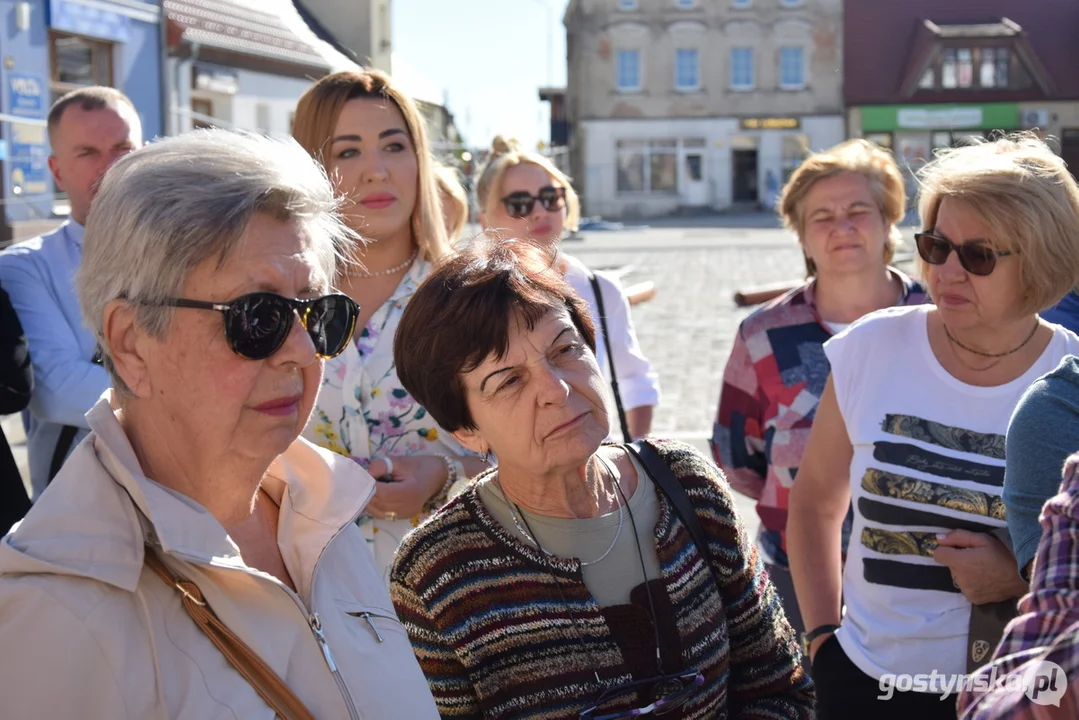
(370, 138)
(523, 195)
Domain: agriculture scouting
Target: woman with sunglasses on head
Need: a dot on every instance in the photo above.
(844, 203)
(911, 426)
(571, 581)
(371, 139)
(194, 557)
(523, 195)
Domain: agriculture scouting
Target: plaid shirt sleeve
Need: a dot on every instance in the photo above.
(1047, 628)
(738, 434)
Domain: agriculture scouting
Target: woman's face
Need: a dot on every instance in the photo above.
(541, 408)
(844, 230)
(209, 397)
(539, 224)
(964, 299)
(372, 161)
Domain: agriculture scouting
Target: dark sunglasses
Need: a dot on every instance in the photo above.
(257, 325)
(519, 204)
(975, 257)
(669, 692)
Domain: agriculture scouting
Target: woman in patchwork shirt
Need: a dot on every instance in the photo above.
(844, 204)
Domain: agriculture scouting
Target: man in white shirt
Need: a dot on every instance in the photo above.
(89, 129)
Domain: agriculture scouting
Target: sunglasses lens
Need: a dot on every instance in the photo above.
(518, 207)
(933, 250)
(977, 259)
(551, 198)
(330, 322)
(258, 324)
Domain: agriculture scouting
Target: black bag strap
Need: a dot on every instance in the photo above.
(610, 356)
(665, 480)
(63, 445)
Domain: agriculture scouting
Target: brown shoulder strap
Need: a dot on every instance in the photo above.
(266, 682)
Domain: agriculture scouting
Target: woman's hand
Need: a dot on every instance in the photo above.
(982, 567)
(416, 479)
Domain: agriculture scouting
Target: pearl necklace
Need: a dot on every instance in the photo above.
(388, 271)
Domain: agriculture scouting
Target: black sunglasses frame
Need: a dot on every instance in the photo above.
(689, 680)
(550, 197)
(296, 308)
(971, 263)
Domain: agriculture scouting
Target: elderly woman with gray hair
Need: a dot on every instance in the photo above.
(195, 558)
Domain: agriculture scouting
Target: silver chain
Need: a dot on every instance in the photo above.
(535, 541)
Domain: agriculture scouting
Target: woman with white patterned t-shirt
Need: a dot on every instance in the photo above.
(910, 431)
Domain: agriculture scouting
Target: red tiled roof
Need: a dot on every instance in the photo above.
(878, 39)
(236, 27)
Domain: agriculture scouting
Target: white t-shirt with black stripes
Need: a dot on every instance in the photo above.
(928, 458)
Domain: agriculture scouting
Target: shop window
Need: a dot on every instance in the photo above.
(262, 118)
(78, 62)
(795, 149)
(645, 167)
(883, 140)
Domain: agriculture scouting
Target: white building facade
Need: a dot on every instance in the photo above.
(700, 105)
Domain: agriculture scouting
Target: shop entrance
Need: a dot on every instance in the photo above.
(1069, 149)
(745, 176)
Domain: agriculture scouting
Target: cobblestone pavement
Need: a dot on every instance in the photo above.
(686, 329)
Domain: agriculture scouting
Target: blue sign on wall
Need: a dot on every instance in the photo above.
(26, 95)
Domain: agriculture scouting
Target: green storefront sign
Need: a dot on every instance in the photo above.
(985, 116)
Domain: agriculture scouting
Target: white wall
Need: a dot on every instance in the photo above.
(600, 138)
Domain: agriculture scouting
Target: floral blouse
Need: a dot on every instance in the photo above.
(363, 412)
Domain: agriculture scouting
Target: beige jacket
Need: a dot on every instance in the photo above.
(86, 631)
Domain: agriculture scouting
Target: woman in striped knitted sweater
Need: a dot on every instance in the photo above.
(564, 583)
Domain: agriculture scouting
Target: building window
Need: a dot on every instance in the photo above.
(78, 62)
(791, 68)
(795, 150)
(262, 118)
(627, 4)
(965, 60)
(1003, 60)
(741, 3)
(687, 4)
(647, 166)
(686, 69)
(202, 113)
(928, 79)
(742, 68)
(790, 3)
(949, 69)
(629, 70)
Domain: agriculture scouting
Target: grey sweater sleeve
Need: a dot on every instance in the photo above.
(1043, 432)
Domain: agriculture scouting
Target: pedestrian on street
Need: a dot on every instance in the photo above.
(576, 579)
(370, 138)
(523, 195)
(195, 558)
(843, 204)
(89, 129)
(912, 427)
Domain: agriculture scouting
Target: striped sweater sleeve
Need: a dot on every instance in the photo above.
(767, 680)
(446, 676)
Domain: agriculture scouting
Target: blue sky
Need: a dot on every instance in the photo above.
(487, 58)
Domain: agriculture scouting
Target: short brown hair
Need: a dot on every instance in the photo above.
(1025, 196)
(461, 314)
(853, 156)
(97, 97)
(316, 117)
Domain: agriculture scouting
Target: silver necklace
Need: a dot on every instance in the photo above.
(532, 539)
(388, 271)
